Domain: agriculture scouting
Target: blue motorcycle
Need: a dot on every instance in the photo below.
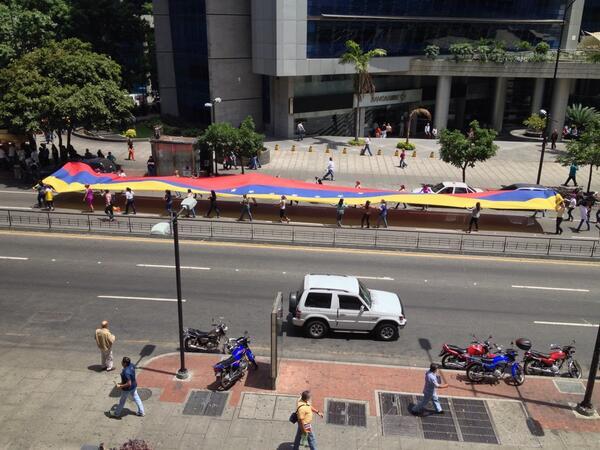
(233, 368)
(494, 368)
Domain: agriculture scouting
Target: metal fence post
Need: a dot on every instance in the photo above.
(504, 248)
(9, 220)
(49, 221)
(129, 223)
(89, 224)
(549, 247)
(418, 239)
(211, 229)
(293, 234)
(593, 249)
(462, 239)
(334, 235)
(251, 232)
(376, 234)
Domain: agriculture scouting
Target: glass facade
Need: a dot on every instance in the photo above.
(591, 16)
(436, 24)
(190, 57)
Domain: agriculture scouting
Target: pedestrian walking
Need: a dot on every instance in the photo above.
(571, 207)
(49, 197)
(191, 211)
(388, 130)
(245, 209)
(129, 201)
(168, 202)
(213, 205)
(41, 190)
(88, 198)
(434, 133)
(584, 215)
(367, 147)
(305, 433)
(340, 207)
(572, 174)
(475, 215)
(105, 340)
(151, 166)
(403, 159)
(330, 170)
(553, 139)
(432, 384)
(383, 212)
(100, 154)
(428, 130)
(282, 204)
(401, 191)
(108, 205)
(300, 131)
(560, 216)
(366, 216)
(384, 130)
(128, 386)
(131, 153)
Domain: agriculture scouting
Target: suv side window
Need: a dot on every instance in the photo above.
(349, 302)
(460, 190)
(318, 300)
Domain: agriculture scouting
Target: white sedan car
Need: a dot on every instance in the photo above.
(450, 187)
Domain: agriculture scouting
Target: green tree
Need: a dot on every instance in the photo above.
(463, 151)
(219, 137)
(249, 142)
(580, 115)
(586, 150)
(535, 122)
(62, 86)
(363, 83)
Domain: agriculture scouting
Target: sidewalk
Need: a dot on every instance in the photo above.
(51, 401)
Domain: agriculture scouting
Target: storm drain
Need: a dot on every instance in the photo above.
(205, 403)
(569, 386)
(346, 413)
(464, 420)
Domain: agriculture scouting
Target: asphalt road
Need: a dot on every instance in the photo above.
(51, 299)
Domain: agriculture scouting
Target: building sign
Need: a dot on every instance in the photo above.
(390, 98)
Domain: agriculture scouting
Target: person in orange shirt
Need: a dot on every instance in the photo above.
(305, 416)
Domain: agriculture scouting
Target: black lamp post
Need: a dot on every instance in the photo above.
(548, 129)
(213, 119)
(585, 407)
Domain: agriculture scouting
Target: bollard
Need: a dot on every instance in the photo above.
(310, 149)
(327, 150)
(276, 147)
(414, 154)
(431, 155)
(379, 152)
(397, 153)
(344, 151)
(294, 147)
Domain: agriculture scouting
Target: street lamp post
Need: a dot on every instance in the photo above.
(548, 130)
(585, 407)
(213, 119)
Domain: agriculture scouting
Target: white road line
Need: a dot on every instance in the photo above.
(373, 278)
(17, 258)
(544, 288)
(17, 192)
(567, 324)
(24, 208)
(152, 299)
(161, 266)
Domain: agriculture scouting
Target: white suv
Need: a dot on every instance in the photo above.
(342, 303)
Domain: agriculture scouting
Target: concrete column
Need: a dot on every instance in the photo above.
(281, 95)
(573, 25)
(362, 125)
(538, 95)
(499, 102)
(442, 102)
(560, 101)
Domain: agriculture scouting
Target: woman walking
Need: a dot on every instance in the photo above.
(383, 212)
(366, 217)
(245, 209)
(560, 216)
(339, 209)
(282, 216)
(475, 215)
(108, 205)
(129, 201)
(88, 198)
(213, 205)
(169, 202)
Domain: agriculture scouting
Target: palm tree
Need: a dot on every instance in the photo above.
(580, 115)
(414, 113)
(363, 84)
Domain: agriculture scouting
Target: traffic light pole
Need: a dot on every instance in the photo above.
(585, 407)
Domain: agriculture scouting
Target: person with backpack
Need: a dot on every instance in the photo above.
(303, 416)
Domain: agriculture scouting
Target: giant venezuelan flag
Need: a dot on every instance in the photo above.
(74, 176)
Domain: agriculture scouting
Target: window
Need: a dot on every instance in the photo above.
(460, 190)
(318, 300)
(447, 190)
(349, 302)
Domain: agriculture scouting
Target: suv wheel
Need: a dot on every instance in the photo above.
(316, 329)
(386, 331)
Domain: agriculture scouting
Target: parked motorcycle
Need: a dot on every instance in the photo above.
(538, 363)
(196, 340)
(497, 367)
(455, 357)
(233, 368)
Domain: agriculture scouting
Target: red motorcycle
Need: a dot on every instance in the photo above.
(538, 363)
(454, 357)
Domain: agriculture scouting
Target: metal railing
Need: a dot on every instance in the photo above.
(387, 239)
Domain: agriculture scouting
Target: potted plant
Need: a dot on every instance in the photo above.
(535, 124)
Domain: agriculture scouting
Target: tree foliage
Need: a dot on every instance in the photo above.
(62, 86)
(584, 151)
(580, 115)
(463, 151)
(535, 122)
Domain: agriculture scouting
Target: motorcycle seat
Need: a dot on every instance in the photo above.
(457, 348)
(228, 362)
(539, 354)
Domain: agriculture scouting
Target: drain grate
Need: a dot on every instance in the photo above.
(205, 403)
(346, 413)
(569, 386)
(464, 420)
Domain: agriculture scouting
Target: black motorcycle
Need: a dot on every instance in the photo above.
(197, 340)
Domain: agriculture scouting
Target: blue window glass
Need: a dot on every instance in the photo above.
(591, 16)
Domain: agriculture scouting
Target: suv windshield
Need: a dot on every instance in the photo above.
(365, 294)
(438, 187)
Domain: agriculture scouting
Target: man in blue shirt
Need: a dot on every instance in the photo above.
(128, 386)
(432, 383)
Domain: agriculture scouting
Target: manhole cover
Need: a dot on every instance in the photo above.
(206, 403)
(50, 316)
(346, 413)
(474, 421)
(144, 393)
(569, 386)
(438, 426)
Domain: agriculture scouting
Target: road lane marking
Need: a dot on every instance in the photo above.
(152, 299)
(17, 258)
(374, 278)
(161, 266)
(545, 288)
(298, 248)
(17, 192)
(24, 208)
(567, 324)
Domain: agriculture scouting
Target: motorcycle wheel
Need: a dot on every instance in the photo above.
(186, 344)
(226, 382)
(475, 372)
(574, 369)
(529, 365)
(519, 378)
(452, 362)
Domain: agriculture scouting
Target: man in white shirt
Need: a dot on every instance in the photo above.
(367, 147)
(330, 169)
(129, 201)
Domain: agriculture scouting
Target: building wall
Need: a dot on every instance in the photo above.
(167, 85)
